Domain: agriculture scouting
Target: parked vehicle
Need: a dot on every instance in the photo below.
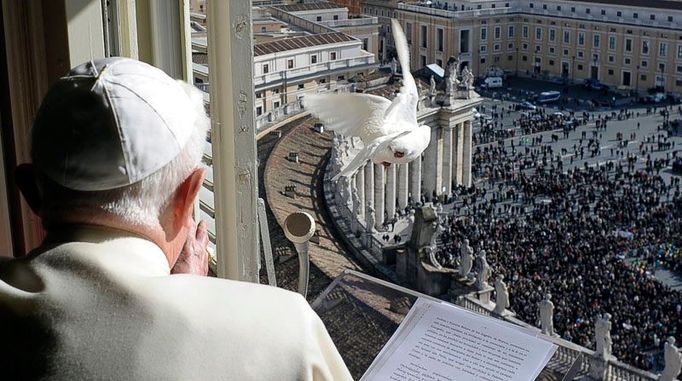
(548, 96)
(527, 106)
(492, 82)
(594, 84)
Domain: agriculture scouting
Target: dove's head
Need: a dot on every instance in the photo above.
(405, 148)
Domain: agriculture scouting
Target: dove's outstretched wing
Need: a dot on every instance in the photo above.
(349, 114)
(367, 152)
(404, 106)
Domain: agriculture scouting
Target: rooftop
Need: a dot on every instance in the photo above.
(308, 7)
(300, 42)
(660, 4)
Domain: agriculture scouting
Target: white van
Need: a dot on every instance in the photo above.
(492, 82)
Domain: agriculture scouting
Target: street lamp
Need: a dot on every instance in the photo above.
(660, 66)
(573, 69)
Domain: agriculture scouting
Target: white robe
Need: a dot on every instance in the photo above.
(98, 304)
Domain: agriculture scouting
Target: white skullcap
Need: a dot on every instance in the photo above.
(110, 123)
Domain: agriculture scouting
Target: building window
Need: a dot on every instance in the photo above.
(301, 86)
(628, 45)
(524, 46)
(341, 78)
(670, 19)
(538, 33)
(319, 18)
(642, 77)
(581, 54)
(661, 67)
(524, 58)
(422, 60)
(423, 36)
(610, 71)
(662, 49)
(678, 82)
(566, 52)
(439, 62)
(645, 47)
(612, 42)
(290, 64)
(573, 9)
(483, 48)
(596, 39)
(551, 50)
(510, 46)
(510, 31)
(544, 6)
(652, 17)
(587, 10)
(266, 68)
(524, 31)
(483, 60)
(439, 39)
(558, 7)
(332, 56)
(603, 12)
(408, 32)
(627, 61)
(484, 34)
(552, 35)
(510, 58)
(567, 37)
(612, 59)
(679, 52)
(464, 41)
(551, 62)
(580, 67)
(635, 15)
(259, 110)
(498, 32)
(619, 14)
(531, 5)
(496, 47)
(679, 68)
(581, 38)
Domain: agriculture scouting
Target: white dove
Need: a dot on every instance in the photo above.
(389, 130)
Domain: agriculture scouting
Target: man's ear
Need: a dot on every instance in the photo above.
(184, 197)
(24, 176)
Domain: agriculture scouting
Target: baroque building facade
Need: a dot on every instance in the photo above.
(628, 45)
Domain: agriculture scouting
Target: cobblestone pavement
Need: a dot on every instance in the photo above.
(328, 258)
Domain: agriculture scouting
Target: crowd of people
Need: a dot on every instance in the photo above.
(572, 232)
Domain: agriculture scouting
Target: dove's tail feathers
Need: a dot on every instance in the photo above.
(347, 114)
(402, 48)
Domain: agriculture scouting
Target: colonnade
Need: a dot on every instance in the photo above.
(446, 162)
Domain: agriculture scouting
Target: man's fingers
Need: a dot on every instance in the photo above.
(202, 233)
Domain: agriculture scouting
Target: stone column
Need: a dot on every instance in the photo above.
(415, 172)
(447, 159)
(466, 153)
(360, 184)
(459, 153)
(430, 160)
(369, 189)
(390, 190)
(403, 184)
(379, 195)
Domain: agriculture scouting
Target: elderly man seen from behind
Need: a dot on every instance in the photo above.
(116, 170)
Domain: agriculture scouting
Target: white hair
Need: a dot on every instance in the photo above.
(141, 203)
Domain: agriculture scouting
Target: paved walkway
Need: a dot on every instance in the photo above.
(328, 258)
